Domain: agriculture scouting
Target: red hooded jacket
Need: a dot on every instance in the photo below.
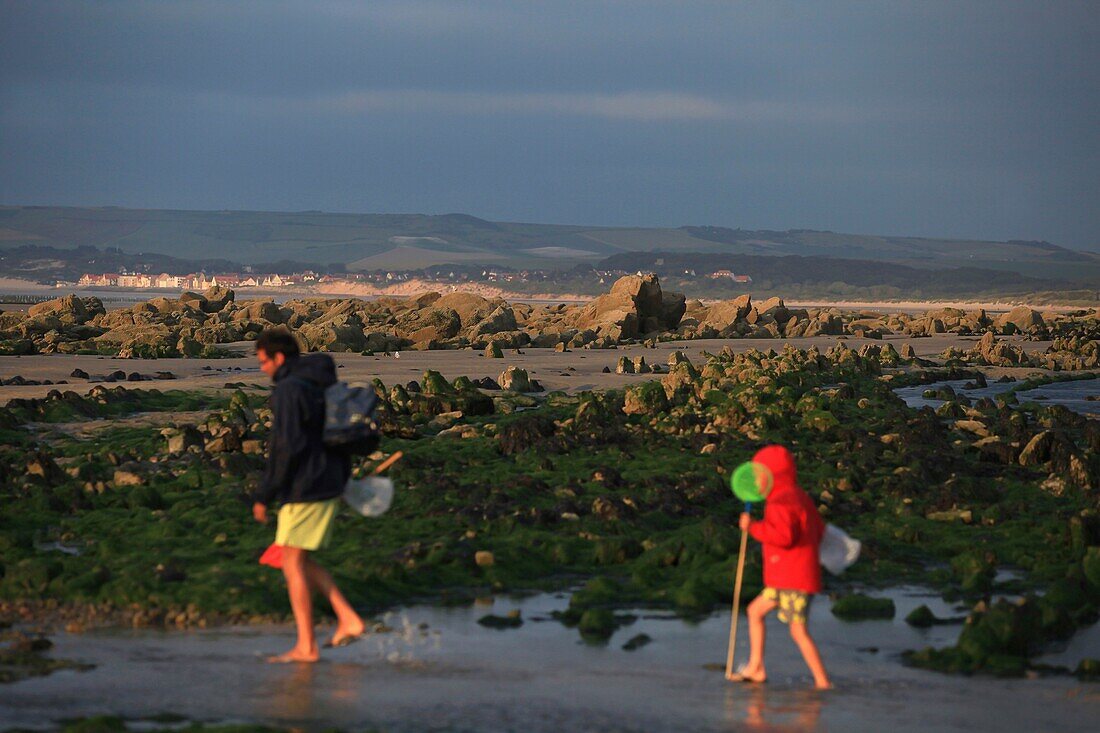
(791, 530)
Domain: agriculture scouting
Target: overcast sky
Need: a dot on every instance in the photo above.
(954, 118)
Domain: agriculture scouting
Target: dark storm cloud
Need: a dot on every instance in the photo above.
(935, 118)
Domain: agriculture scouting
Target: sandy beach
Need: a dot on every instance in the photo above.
(571, 371)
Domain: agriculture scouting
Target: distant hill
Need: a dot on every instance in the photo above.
(401, 241)
(834, 276)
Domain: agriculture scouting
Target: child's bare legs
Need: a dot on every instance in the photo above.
(297, 587)
(809, 651)
(348, 622)
(757, 610)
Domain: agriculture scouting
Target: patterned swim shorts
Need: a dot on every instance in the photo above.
(794, 605)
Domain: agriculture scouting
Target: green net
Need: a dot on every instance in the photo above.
(751, 482)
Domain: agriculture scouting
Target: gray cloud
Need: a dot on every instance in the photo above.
(936, 118)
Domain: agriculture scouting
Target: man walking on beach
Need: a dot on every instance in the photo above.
(307, 479)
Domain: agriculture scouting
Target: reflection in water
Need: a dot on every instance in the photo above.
(292, 695)
(304, 692)
(754, 708)
(308, 692)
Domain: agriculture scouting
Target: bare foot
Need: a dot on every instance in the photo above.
(295, 656)
(345, 635)
(823, 685)
(748, 675)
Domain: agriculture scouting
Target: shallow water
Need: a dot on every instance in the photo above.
(456, 676)
(1073, 395)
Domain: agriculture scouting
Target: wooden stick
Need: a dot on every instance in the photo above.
(736, 603)
(387, 463)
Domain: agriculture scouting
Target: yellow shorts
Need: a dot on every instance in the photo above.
(794, 605)
(306, 525)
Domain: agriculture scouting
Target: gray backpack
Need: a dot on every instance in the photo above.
(350, 423)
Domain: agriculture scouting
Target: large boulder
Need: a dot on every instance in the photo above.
(1023, 318)
(149, 334)
(775, 308)
(643, 290)
(726, 313)
(68, 310)
(647, 398)
(634, 306)
(501, 319)
(429, 324)
(217, 298)
(673, 307)
(470, 308)
(260, 310)
(515, 379)
(333, 337)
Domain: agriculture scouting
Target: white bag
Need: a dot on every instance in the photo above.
(370, 496)
(837, 551)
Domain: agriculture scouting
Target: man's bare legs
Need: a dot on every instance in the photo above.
(298, 588)
(809, 651)
(757, 610)
(348, 623)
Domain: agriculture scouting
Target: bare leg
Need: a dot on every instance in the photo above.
(757, 610)
(810, 653)
(297, 587)
(348, 622)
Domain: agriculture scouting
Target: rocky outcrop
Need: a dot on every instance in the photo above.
(515, 379)
(724, 315)
(68, 310)
(635, 306)
(1020, 319)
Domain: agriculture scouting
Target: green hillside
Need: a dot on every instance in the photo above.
(371, 241)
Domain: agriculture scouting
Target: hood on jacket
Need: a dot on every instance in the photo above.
(317, 368)
(781, 463)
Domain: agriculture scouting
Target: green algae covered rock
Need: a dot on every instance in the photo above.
(637, 642)
(1091, 566)
(857, 607)
(1003, 628)
(975, 570)
(597, 623)
(645, 399)
(1089, 670)
(921, 617)
(511, 621)
(433, 383)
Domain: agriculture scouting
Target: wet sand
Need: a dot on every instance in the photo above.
(458, 676)
(579, 369)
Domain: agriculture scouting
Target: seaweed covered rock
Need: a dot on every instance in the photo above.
(856, 607)
(921, 617)
(647, 398)
(434, 384)
(523, 433)
(597, 623)
(975, 570)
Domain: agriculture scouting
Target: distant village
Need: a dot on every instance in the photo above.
(200, 281)
(309, 278)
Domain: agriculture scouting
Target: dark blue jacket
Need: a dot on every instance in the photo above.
(299, 466)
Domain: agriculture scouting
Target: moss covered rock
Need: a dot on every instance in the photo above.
(857, 607)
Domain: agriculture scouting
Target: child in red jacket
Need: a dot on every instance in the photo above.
(790, 532)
